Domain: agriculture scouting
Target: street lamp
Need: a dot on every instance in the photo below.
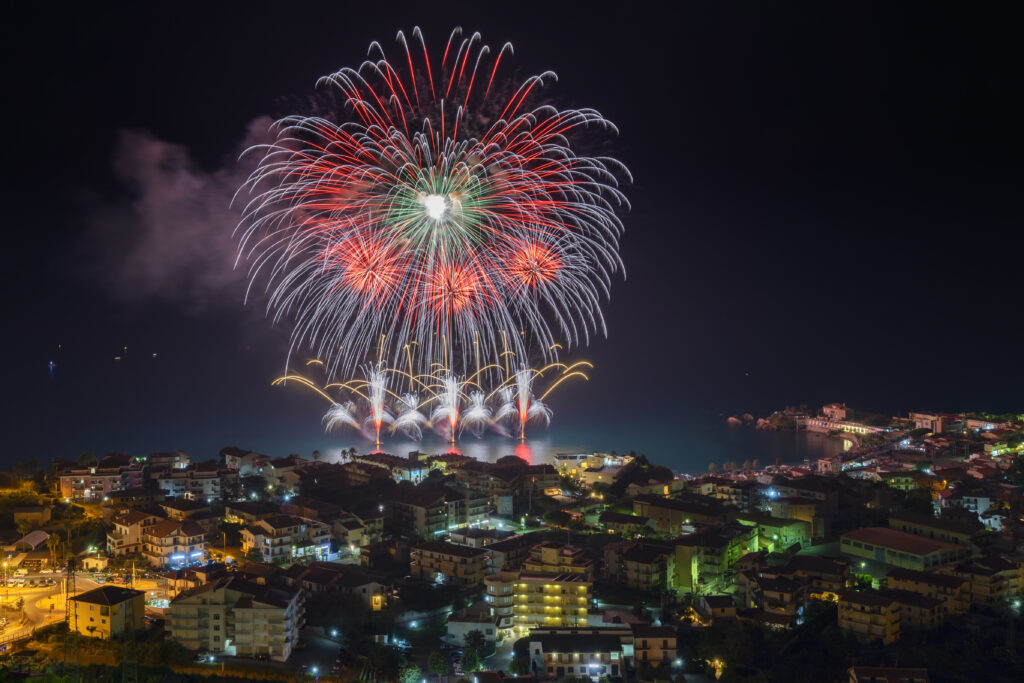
(316, 672)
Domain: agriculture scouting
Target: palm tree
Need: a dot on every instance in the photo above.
(53, 545)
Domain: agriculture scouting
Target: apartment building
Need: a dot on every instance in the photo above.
(870, 615)
(173, 544)
(669, 514)
(953, 591)
(192, 483)
(285, 538)
(448, 563)
(238, 618)
(993, 579)
(577, 653)
(428, 512)
(126, 536)
(653, 645)
(94, 484)
(553, 589)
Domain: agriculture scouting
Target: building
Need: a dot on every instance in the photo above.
(704, 557)
(553, 589)
(246, 463)
(623, 524)
(238, 618)
(126, 536)
(803, 509)
(900, 549)
(918, 612)
(653, 645)
(953, 591)
(712, 607)
(577, 653)
(192, 483)
(946, 530)
(511, 552)
(649, 567)
(410, 469)
(776, 533)
(670, 514)
(443, 562)
(870, 615)
(886, 674)
(286, 539)
(108, 611)
(431, 511)
(837, 411)
(94, 484)
(35, 515)
(933, 422)
(171, 543)
(993, 579)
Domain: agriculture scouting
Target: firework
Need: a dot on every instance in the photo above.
(454, 404)
(438, 203)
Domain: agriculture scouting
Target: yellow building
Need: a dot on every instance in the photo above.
(654, 645)
(103, 612)
(554, 558)
(552, 590)
(870, 615)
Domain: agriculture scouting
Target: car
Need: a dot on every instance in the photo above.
(201, 658)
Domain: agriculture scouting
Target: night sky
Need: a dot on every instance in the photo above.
(826, 206)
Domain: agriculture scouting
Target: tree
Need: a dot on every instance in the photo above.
(470, 660)
(712, 467)
(520, 665)
(476, 640)
(316, 455)
(438, 664)
(410, 673)
(87, 459)
(24, 527)
(747, 464)
(756, 463)
(53, 545)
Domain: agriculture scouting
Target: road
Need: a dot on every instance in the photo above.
(38, 600)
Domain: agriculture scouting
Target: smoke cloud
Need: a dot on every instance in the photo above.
(171, 241)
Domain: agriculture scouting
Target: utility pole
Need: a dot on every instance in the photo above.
(71, 619)
(130, 663)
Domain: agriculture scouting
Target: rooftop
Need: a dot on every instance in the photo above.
(106, 595)
(898, 540)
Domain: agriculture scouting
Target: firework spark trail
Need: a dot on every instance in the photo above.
(341, 414)
(477, 416)
(377, 390)
(458, 404)
(410, 421)
(430, 208)
(448, 397)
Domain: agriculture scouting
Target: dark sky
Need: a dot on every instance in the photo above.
(827, 206)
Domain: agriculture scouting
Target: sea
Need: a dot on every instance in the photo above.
(685, 451)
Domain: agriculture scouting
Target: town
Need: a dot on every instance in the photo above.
(902, 558)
